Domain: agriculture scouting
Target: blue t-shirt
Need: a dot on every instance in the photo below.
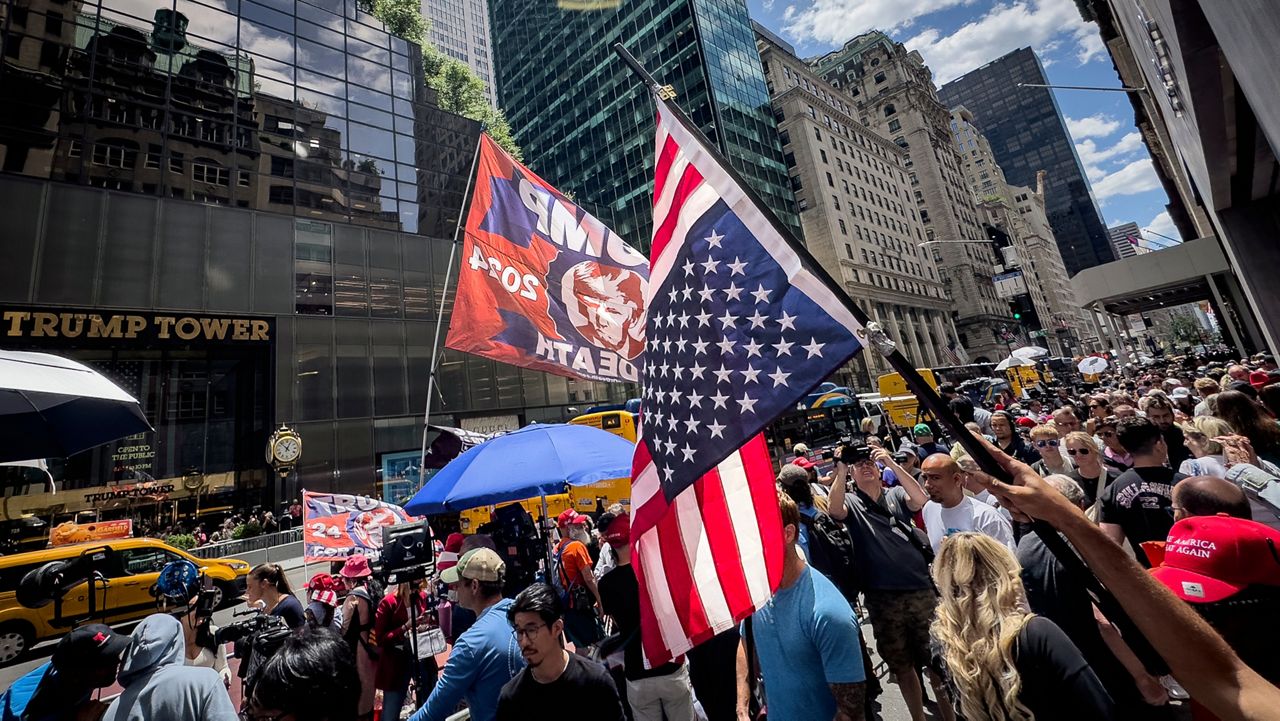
(806, 638)
(802, 533)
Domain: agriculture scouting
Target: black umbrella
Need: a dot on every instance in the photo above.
(51, 407)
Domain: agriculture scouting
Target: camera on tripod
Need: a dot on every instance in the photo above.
(50, 582)
(407, 553)
(256, 640)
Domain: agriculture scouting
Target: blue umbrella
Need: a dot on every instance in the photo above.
(537, 460)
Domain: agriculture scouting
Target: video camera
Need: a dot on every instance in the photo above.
(50, 582)
(407, 553)
(852, 448)
(256, 640)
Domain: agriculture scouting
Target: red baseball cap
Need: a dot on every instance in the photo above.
(569, 517)
(618, 534)
(1258, 379)
(1211, 558)
(1027, 422)
(803, 462)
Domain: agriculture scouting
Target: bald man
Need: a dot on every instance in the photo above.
(1209, 496)
(950, 511)
(1065, 420)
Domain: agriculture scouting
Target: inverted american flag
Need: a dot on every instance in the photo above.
(740, 327)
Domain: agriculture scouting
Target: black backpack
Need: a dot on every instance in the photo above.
(831, 553)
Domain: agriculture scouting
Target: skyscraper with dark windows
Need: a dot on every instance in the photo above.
(586, 123)
(1028, 134)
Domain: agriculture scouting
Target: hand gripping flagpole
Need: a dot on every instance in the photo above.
(448, 276)
(876, 338)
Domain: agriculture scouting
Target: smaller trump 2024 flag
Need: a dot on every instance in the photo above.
(740, 327)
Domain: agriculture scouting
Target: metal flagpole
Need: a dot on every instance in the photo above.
(435, 343)
(874, 335)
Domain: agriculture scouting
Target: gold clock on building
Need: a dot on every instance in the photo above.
(284, 447)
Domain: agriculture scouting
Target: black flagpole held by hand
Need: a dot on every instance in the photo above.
(879, 341)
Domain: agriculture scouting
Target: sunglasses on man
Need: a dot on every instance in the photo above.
(1050, 443)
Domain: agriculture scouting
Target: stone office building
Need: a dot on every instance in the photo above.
(857, 212)
(893, 94)
(243, 217)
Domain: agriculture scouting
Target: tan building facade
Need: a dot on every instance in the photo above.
(1020, 214)
(894, 96)
(857, 211)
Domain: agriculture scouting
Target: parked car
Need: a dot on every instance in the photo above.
(130, 572)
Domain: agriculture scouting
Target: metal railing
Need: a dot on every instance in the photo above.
(241, 546)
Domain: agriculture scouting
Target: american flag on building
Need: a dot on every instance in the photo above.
(740, 327)
(954, 354)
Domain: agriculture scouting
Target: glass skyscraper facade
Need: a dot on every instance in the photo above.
(1028, 134)
(242, 213)
(586, 123)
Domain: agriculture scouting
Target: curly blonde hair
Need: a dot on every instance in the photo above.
(981, 611)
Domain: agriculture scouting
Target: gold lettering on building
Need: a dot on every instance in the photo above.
(67, 324)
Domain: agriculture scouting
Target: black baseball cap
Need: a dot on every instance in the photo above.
(89, 646)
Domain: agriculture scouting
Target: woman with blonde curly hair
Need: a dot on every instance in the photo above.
(1006, 663)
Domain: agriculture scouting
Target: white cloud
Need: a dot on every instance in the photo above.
(1163, 225)
(1093, 157)
(835, 21)
(1094, 126)
(1090, 46)
(1134, 178)
(1004, 28)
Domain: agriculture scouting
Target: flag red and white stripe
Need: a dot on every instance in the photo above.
(711, 554)
(711, 557)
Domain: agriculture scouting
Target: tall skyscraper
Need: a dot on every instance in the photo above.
(586, 123)
(460, 29)
(1120, 239)
(859, 219)
(1027, 134)
(894, 96)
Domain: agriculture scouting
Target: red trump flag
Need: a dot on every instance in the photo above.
(543, 284)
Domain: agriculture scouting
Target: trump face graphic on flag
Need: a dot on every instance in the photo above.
(606, 305)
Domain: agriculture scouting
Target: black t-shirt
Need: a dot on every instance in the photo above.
(584, 692)
(1057, 683)
(1141, 503)
(1058, 594)
(620, 596)
(290, 609)
(1090, 485)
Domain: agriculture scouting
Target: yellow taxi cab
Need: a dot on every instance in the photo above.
(130, 573)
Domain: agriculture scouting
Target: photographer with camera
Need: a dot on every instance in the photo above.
(180, 592)
(894, 562)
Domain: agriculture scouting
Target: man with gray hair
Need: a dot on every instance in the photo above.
(1057, 593)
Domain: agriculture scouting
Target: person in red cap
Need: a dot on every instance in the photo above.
(572, 578)
(322, 590)
(1228, 569)
(652, 693)
(358, 616)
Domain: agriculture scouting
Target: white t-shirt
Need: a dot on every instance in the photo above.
(968, 515)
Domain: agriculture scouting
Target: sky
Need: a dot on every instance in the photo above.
(956, 36)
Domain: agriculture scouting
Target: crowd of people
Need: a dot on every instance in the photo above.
(1123, 563)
